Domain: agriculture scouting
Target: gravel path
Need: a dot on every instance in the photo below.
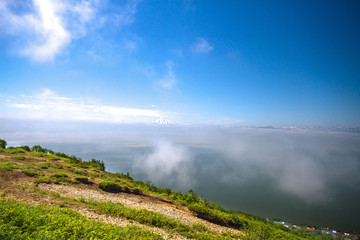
(180, 214)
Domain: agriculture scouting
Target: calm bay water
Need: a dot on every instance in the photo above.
(220, 180)
(302, 176)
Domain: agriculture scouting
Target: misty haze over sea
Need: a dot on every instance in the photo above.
(300, 175)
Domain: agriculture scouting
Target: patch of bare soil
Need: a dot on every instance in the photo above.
(125, 222)
(167, 209)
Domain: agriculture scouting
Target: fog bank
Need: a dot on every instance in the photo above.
(303, 175)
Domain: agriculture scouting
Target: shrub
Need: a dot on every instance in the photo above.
(38, 148)
(136, 191)
(109, 186)
(84, 180)
(3, 143)
(26, 148)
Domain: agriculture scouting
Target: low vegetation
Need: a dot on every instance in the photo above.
(19, 220)
(152, 219)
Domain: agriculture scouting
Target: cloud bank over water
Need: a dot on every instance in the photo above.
(167, 162)
(270, 172)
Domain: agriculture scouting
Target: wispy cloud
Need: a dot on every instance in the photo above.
(49, 25)
(44, 28)
(201, 46)
(169, 80)
(48, 105)
(132, 43)
(126, 15)
(93, 55)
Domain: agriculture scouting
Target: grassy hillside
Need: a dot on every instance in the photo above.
(50, 195)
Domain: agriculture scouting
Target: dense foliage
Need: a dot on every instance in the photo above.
(3, 143)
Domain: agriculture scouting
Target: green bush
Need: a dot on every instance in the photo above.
(3, 143)
(109, 186)
(26, 148)
(38, 148)
(136, 191)
(84, 180)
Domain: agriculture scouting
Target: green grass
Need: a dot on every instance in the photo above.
(44, 165)
(22, 221)
(78, 172)
(3, 194)
(31, 172)
(56, 178)
(8, 167)
(152, 219)
(14, 150)
(18, 157)
(38, 154)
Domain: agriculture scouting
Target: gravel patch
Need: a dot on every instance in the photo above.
(167, 209)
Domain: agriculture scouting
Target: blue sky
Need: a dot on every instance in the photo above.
(203, 62)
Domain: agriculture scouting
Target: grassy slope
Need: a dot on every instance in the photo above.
(21, 170)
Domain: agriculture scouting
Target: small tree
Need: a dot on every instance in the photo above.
(3, 143)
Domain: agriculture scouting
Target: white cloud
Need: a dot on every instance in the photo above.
(44, 28)
(47, 26)
(169, 80)
(201, 46)
(48, 105)
(167, 162)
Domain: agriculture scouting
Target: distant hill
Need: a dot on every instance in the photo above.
(47, 194)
